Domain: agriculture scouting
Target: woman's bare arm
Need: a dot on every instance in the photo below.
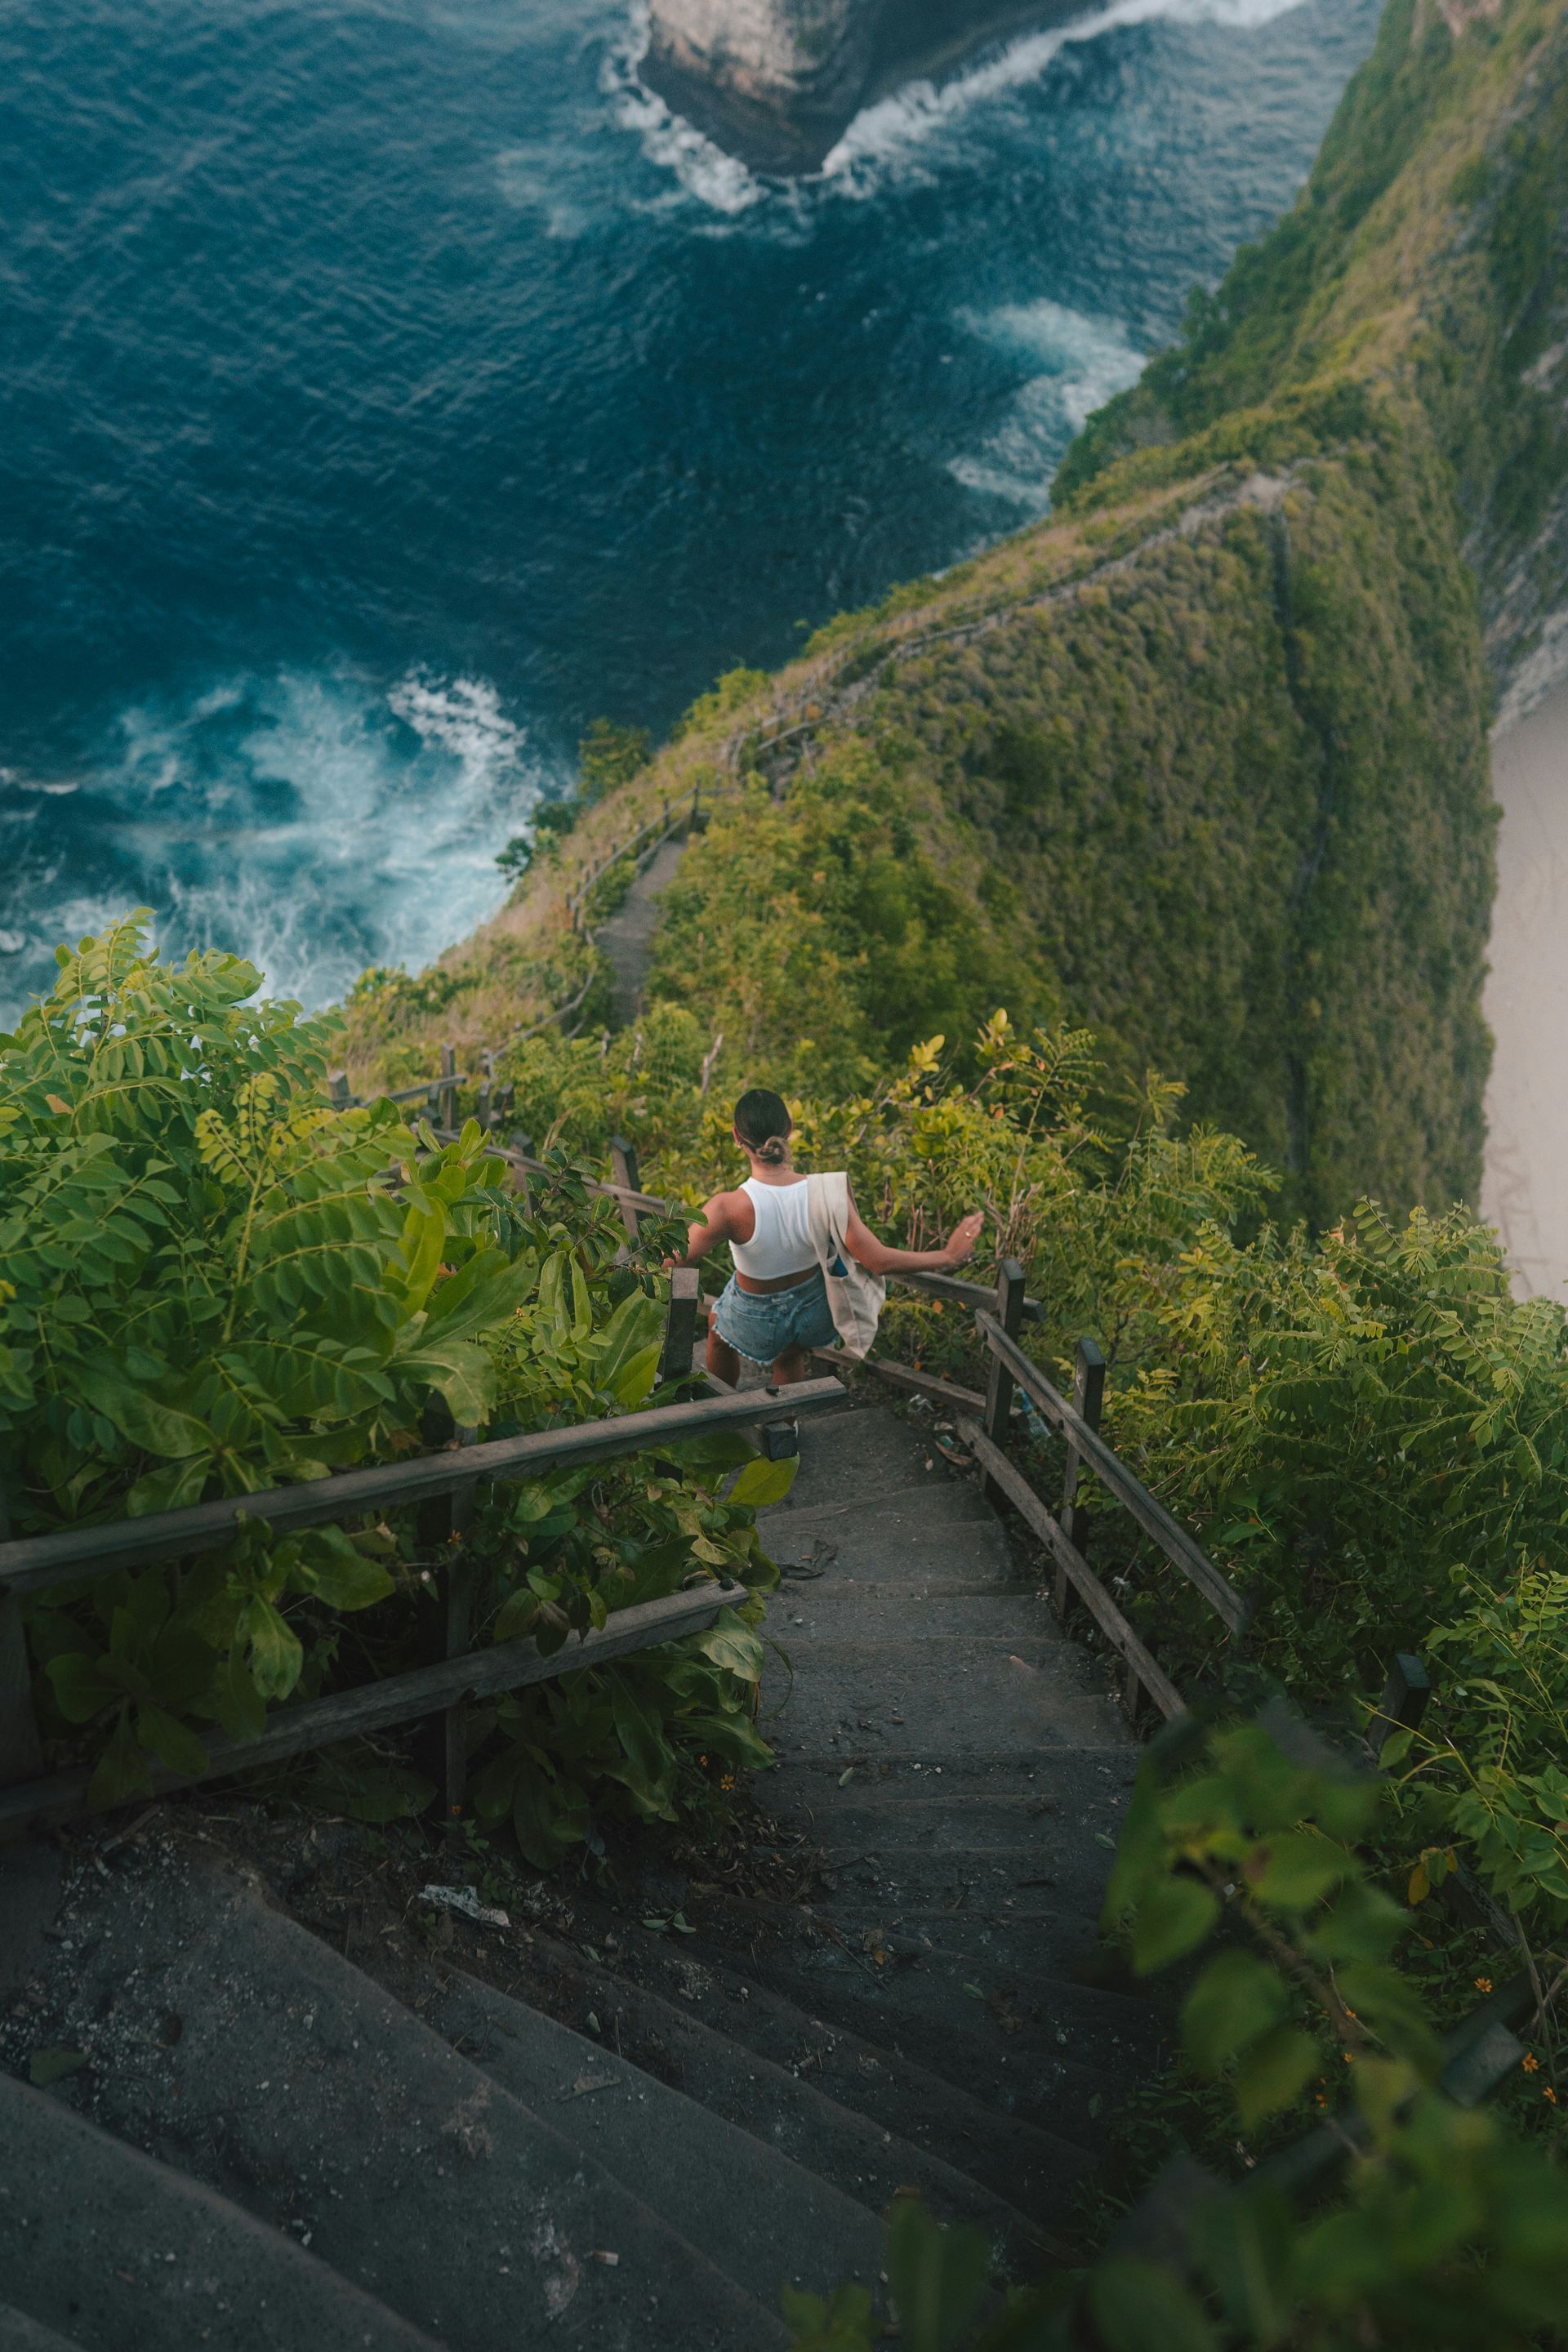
(880, 1257)
(717, 1223)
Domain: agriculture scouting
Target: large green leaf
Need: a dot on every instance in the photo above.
(549, 1816)
(482, 1294)
(628, 1348)
(145, 1420)
(275, 1654)
(1234, 2001)
(937, 2276)
(458, 1371)
(729, 1643)
(762, 1482)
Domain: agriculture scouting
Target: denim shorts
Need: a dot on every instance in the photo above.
(765, 1327)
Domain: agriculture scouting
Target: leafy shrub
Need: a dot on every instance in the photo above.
(215, 1282)
(1445, 2233)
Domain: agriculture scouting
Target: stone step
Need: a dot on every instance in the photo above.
(759, 2216)
(1056, 1946)
(1049, 2053)
(1034, 2167)
(907, 1698)
(669, 2041)
(20, 2334)
(241, 2048)
(1019, 1883)
(949, 1801)
(862, 1530)
(868, 1452)
(109, 2251)
(810, 1617)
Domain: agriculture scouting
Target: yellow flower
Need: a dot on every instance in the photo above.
(1548, 2093)
(1483, 1984)
(1531, 2063)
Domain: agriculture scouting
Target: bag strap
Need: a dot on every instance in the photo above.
(827, 1207)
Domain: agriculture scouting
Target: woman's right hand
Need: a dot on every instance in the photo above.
(961, 1240)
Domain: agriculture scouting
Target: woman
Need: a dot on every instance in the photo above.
(774, 1309)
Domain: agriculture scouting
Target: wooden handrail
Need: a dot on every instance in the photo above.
(1143, 1671)
(1130, 1491)
(400, 1698)
(35, 1562)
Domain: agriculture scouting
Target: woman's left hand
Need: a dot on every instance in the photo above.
(961, 1240)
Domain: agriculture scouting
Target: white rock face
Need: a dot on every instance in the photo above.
(772, 80)
(775, 81)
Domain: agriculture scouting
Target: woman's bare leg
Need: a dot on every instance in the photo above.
(722, 1359)
(794, 1364)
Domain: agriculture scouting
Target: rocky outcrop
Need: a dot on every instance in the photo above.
(776, 81)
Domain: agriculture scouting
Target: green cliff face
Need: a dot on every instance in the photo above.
(1201, 760)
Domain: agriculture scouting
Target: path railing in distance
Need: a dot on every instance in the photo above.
(986, 1420)
(999, 1313)
(442, 1486)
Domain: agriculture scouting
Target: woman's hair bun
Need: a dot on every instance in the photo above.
(762, 1123)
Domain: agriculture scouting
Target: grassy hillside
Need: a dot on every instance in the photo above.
(1203, 758)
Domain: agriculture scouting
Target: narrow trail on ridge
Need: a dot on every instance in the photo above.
(295, 2107)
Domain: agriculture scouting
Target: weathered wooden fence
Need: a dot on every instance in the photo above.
(441, 1486)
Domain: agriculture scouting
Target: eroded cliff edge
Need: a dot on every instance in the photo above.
(777, 81)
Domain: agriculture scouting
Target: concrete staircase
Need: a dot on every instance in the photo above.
(589, 2132)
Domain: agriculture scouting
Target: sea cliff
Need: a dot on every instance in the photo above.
(1201, 760)
(776, 81)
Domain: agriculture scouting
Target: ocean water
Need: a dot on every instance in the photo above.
(389, 387)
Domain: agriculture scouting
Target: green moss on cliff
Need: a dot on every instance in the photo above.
(1203, 759)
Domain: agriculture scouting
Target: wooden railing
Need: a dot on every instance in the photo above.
(442, 1486)
(1000, 1312)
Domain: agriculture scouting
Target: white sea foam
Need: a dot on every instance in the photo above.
(699, 169)
(887, 135)
(312, 821)
(885, 139)
(1078, 364)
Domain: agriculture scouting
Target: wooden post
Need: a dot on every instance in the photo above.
(484, 1111)
(680, 1324)
(448, 1091)
(21, 1749)
(523, 1143)
(337, 1089)
(1089, 1396)
(623, 1170)
(440, 1526)
(999, 1388)
(1404, 1700)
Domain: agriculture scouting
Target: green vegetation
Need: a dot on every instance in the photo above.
(1203, 759)
(215, 1283)
(1446, 2233)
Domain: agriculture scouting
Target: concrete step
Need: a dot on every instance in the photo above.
(779, 2106)
(109, 2251)
(1035, 2168)
(20, 2334)
(1048, 2052)
(947, 1537)
(909, 1698)
(238, 2046)
(757, 2215)
(1014, 1883)
(838, 1608)
(950, 1802)
(1056, 1946)
(868, 1451)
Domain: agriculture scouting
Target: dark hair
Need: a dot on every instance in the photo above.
(762, 1123)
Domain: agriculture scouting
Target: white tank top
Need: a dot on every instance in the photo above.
(781, 1243)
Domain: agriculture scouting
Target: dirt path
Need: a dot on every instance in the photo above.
(1524, 1191)
(627, 937)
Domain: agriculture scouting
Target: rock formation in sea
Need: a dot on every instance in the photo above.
(776, 81)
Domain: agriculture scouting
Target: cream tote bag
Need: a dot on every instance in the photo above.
(855, 1297)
